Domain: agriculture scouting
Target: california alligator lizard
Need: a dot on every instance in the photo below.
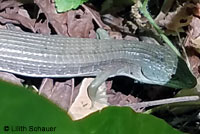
(39, 55)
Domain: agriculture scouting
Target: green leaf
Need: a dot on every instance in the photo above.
(116, 120)
(65, 5)
(21, 108)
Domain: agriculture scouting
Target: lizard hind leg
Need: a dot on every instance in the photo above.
(97, 91)
(100, 97)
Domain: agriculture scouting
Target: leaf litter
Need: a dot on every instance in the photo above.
(41, 17)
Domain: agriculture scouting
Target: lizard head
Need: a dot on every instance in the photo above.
(169, 70)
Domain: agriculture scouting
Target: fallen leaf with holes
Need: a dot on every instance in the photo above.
(174, 21)
(80, 24)
(82, 104)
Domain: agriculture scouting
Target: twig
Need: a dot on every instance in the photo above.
(143, 9)
(162, 101)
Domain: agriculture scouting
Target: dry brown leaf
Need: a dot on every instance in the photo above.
(194, 29)
(82, 104)
(164, 10)
(174, 21)
(9, 4)
(196, 43)
(10, 78)
(12, 11)
(80, 24)
(42, 27)
(95, 16)
(193, 45)
(61, 93)
(58, 21)
(46, 87)
(117, 98)
(196, 10)
(13, 14)
(194, 64)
